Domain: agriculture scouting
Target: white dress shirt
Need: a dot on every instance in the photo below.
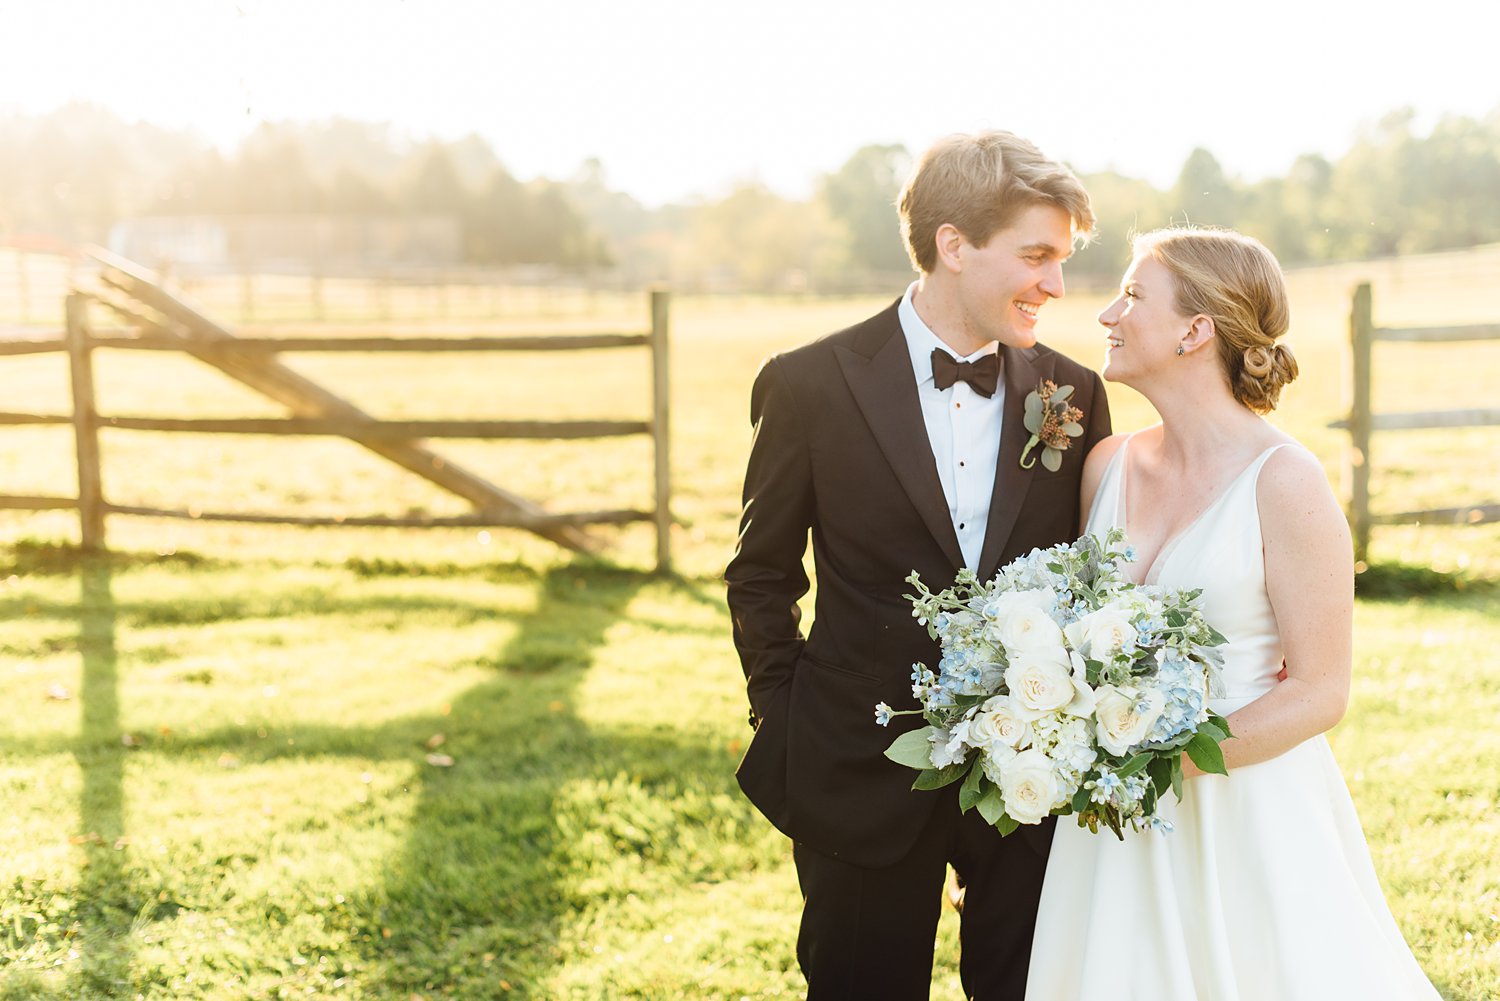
(963, 428)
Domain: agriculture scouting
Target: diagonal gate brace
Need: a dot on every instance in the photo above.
(214, 345)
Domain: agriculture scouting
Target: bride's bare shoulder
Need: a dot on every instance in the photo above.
(1292, 470)
(1104, 450)
(1295, 497)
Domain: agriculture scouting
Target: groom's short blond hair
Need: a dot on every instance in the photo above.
(980, 183)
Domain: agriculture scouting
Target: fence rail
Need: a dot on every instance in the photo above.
(159, 321)
(560, 342)
(1362, 422)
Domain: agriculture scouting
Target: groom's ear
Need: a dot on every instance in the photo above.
(1200, 332)
(949, 242)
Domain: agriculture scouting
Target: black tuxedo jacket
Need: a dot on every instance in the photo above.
(841, 450)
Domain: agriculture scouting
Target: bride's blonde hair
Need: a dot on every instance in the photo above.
(1235, 281)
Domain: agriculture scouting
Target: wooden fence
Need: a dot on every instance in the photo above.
(1362, 423)
(157, 320)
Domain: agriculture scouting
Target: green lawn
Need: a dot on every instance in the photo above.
(228, 761)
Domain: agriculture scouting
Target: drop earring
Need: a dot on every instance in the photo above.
(1181, 351)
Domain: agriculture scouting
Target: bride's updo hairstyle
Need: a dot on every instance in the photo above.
(1235, 281)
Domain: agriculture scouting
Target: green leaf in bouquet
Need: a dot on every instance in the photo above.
(1033, 421)
(1211, 729)
(972, 789)
(936, 778)
(1221, 723)
(1072, 429)
(1174, 743)
(1215, 638)
(912, 749)
(1134, 764)
(1175, 618)
(1094, 670)
(1052, 459)
(1006, 824)
(962, 703)
(991, 805)
(1080, 800)
(1034, 406)
(1160, 771)
(1061, 394)
(1206, 754)
(1177, 777)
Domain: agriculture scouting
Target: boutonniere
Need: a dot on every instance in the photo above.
(1053, 422)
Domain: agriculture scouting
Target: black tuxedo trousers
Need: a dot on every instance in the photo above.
(841, 455)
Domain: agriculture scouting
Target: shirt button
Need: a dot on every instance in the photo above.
(960, 526)
(958, 406)
(960, 463)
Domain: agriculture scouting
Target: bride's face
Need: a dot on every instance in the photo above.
(1142, 325)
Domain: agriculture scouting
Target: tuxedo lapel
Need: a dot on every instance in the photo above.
(1011, 481)
(885, 389)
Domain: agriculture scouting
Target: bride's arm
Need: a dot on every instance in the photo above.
(1310, 582)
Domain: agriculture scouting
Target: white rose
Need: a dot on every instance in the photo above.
(999, 723)
(1041, 680)
(1102, 632)
(1022, 620)
(1125, 716)
(1029, 787)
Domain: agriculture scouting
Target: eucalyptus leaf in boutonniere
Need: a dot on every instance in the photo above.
(1053, 422)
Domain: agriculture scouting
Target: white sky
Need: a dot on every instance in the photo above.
(685, 97)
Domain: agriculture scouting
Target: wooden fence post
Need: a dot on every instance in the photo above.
(85, 424)
(1361, 337)
(660, 426)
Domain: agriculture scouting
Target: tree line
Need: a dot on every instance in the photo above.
(73, 173)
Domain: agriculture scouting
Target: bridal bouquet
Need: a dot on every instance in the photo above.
(1063, 689)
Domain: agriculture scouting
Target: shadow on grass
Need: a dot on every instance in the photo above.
(94, 919)
(105, 942)
(475, 904)
(541, 816)
(1396, 581)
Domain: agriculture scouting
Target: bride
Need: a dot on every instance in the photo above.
(1265, 889)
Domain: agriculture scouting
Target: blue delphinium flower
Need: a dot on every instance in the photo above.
(882, 714)
(1105, 787)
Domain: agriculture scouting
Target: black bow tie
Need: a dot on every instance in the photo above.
(982, 375)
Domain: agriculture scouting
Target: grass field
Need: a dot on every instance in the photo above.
(227, 771)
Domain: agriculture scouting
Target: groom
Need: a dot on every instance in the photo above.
(897, 444)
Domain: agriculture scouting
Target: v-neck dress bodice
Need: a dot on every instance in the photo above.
(1264, 890)
(1219, 551)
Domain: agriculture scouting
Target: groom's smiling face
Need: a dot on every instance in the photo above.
(1002, 286)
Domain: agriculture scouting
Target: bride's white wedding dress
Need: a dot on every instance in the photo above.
(1265, 889)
